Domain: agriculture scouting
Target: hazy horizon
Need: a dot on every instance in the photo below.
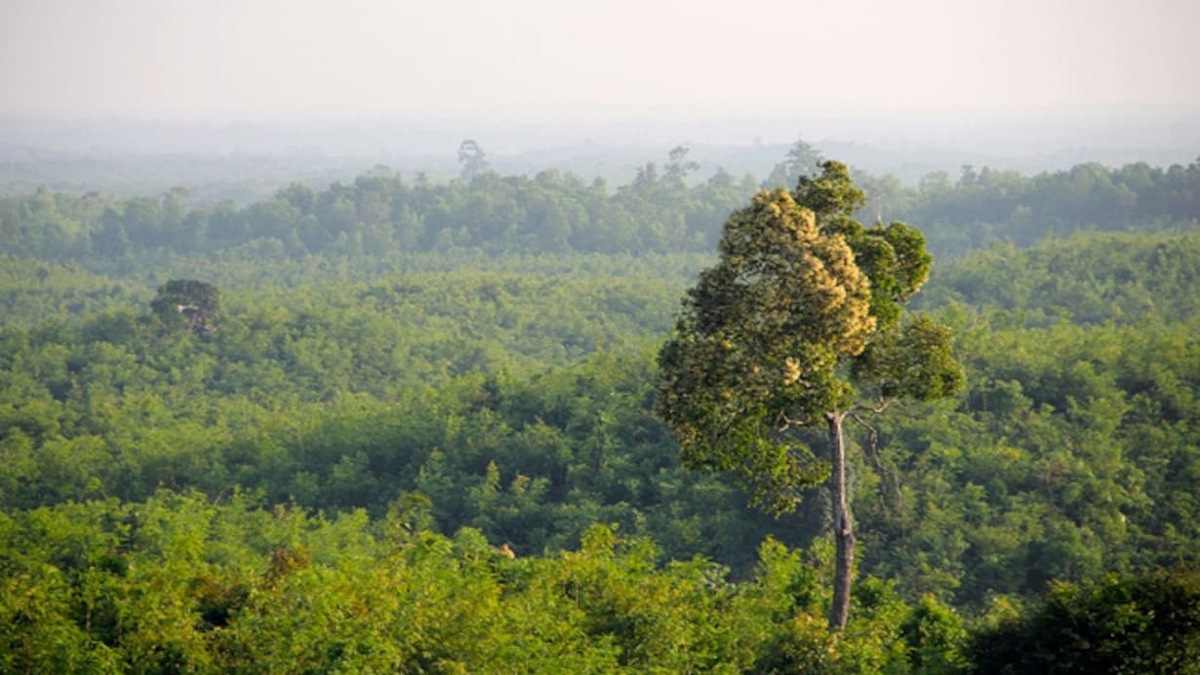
(553, 61)
(898, 87)
(1174, 132)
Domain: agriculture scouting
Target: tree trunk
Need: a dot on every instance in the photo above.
(843, 530)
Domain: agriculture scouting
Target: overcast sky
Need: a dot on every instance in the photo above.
(566, 58)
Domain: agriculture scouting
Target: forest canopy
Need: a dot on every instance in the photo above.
(390, 383)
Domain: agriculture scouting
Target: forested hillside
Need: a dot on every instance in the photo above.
(414, 431)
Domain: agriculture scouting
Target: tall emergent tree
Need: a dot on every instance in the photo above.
(473, 159)
(803, 160)
(799, 325)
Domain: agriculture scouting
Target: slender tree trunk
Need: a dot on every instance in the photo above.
(843, 530)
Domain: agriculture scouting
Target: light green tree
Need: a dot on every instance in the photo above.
(798, 326)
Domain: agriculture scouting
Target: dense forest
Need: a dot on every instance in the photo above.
(405, 426)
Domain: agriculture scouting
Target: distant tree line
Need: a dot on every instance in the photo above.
(987, 205)
(658, 211)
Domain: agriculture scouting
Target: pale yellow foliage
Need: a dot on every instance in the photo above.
(791, 370)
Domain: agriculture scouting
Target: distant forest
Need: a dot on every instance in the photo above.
(406, 426)
(657, 212)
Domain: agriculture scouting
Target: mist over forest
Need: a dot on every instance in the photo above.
(250, 158)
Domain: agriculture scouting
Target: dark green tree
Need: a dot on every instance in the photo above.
(187, 303)
(1143, 624)
(798, 326)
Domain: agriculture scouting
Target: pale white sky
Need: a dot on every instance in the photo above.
(568, 58)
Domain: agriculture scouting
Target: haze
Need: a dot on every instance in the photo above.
(554, 59)
(595, 88)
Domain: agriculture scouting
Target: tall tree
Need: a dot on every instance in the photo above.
(802, 160)
(798, 325)
(473, 159)
(678, 165)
